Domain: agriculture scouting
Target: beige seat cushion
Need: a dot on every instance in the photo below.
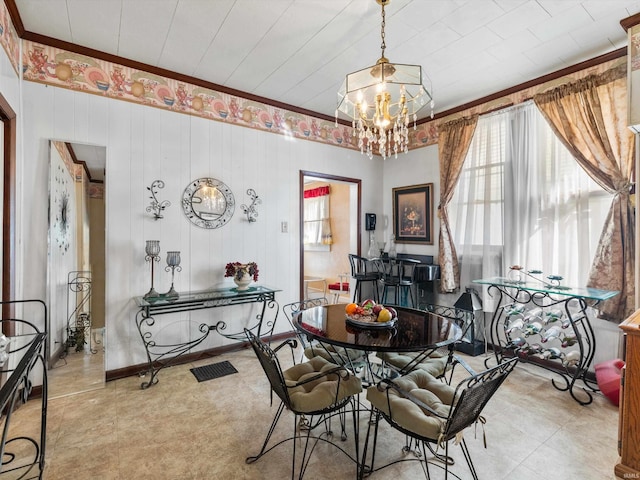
(424, 387)
(331, 353)
(435, 364)
(321, 393)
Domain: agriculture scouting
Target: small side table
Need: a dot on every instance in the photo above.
(308, 279)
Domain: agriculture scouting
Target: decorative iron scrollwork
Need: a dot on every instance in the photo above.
(251, 211)
(157, 207)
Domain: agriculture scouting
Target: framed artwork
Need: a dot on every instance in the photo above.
(413, 214)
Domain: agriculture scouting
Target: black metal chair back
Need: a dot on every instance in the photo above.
(473, 394)
(291, 309)
(364, 270)
(271, 366)
(400, 275)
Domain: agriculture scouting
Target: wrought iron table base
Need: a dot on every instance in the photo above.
(162, 355)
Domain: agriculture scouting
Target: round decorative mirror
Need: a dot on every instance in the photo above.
(208, 203)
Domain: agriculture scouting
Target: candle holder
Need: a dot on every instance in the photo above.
(173, 264)
(153, 255)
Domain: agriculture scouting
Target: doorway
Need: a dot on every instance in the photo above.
(345, 205)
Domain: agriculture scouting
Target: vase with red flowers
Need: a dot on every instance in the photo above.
(242, 273)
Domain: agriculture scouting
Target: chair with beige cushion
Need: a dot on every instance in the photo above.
(350, 358)
(430, 412)
(435, 364)
(314, 391)
(440, 363)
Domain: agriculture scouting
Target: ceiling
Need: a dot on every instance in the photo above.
(297, 52)
(95, 158)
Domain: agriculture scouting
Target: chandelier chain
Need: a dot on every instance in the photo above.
(383, 45)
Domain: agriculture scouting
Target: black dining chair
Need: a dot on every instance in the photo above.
(440, 363)
(347, 357)
(365, 271)
(315, 392)
(430, 412)
(399, 274)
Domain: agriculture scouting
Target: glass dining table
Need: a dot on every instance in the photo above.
(412, 331)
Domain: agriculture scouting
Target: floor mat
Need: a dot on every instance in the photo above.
(215, 370)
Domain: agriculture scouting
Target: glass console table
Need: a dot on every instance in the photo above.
(161, 355)
(547, 325)
(22, 348)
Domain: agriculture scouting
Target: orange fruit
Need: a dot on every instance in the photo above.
(351, 308)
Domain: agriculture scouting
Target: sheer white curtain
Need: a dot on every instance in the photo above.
(522, 199)
(317, 222)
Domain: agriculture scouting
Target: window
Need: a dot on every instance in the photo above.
(522, 199)
(317, 222)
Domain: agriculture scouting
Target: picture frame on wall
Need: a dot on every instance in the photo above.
(413, 214)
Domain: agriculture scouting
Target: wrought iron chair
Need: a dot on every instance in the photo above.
(315, 391)
(342, 356)
(400, 275)
(431, 412)
(442, 362)
(364, 270)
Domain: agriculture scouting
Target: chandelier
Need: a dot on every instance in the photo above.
(382, 101)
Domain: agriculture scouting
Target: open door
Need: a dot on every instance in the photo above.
(326, 264)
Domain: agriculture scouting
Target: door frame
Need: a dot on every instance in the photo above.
(8, 118)
(328, 177)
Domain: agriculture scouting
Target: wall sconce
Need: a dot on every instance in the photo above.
(250, 211)
(156, 206)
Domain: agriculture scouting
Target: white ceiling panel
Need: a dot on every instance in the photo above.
(548, 53)
(514, 45)
(51, 17)
(556, 7)
(610, 28)
(288, 36)
(144, 27)
(474, 14)
(298, 51)
(243, 29)
(191, 20)
(95, 158)
(566, 21)
(95, 24)
(518, 19)
(421, 15)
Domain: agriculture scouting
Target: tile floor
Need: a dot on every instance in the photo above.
(182, 429)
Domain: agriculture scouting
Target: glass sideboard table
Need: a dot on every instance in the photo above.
(549, 326)
(161, 353)
(23, 350)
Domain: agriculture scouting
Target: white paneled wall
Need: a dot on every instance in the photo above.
(414, 168)
(146, 144)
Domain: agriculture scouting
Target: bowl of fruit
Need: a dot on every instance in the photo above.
(369, 314)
